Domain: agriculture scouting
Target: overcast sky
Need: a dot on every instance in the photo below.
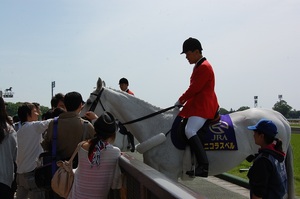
(252, 45)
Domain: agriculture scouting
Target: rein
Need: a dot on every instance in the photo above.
(148, 116)
(95, 102)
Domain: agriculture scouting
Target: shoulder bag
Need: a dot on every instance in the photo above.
(63, 178)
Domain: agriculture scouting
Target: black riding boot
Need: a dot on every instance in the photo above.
(197, 147)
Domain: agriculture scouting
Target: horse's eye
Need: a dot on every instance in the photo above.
(88, 102)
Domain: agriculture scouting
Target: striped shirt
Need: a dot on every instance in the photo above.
(95, 182)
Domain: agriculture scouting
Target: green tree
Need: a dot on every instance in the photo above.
(294, 114)
(12, 108)
(282, 107)
(243, 108)
(44, 109)
(223, 111)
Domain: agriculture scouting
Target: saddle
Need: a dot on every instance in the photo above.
(200, 133)
(216, 134)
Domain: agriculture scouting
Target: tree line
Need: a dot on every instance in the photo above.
(281, 106)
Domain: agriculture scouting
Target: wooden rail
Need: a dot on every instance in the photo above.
(144, 182)
(295, 130)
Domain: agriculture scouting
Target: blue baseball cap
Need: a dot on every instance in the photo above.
(266, 127)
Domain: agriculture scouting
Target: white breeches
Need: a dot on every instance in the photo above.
(193, 125)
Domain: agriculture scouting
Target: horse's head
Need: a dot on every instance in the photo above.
(94, 98)
(127, 108)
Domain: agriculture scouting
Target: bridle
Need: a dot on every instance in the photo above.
(95, 102)
(98, 100)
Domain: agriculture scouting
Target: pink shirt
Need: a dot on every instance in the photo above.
(95, 182)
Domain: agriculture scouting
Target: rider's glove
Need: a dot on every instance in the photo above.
(178, 104)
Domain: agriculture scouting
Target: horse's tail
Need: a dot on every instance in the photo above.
(290, 172)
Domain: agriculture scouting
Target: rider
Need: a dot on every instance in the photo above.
(199, 100)
(123, 83)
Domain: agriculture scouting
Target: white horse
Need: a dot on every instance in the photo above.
(157, 147)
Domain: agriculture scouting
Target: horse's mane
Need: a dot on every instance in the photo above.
(101, 84)
(134, 98)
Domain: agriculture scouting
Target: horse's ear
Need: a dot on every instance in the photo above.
(99, 83)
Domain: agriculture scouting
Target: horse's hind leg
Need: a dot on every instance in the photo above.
(290, 172)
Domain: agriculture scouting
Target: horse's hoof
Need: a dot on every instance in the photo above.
(200, 172)
(191, 176)
(204, 174)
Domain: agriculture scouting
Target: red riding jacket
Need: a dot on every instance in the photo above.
(200, 98)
